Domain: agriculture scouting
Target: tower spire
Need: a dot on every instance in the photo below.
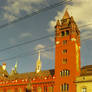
(66, 15)
(39, 55)
(58, 23)
(38, 63)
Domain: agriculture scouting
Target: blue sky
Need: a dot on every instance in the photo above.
(38, 26)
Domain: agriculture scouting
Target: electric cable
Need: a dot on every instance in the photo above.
(35, 13)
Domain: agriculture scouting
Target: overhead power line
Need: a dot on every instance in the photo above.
(33, 52)
(42, 50)
(25, 43)
(35, 13)
(34, 40)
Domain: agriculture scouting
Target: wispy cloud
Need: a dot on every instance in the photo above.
(81, 11)
(25, 35)
(16, 8)
(20, 37)
(44, 54)
(12, 41)
(86, 35)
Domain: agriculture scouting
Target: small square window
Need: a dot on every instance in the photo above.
(64, 51)
(64, 42)
(64, 60)
(84, 89)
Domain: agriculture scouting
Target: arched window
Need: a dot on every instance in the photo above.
(84, 89)
(65, 87)
(45, 89)
(34, 89)
(62, 33)
(64, 61)
(64, 42)
(64, 73)
(64, 51)
(67, 32)
(16, 89)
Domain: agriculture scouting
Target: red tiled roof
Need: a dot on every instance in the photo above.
(31, 75)
(86, 70)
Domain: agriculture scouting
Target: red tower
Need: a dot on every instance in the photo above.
(67, 54)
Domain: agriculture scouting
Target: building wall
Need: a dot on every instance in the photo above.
(71, 59)
(84, 82)
(37, 85)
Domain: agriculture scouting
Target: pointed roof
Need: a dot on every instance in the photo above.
(38, 63)
(58, 22)
(66, 15)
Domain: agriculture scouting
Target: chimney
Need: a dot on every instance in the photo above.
(4, 66)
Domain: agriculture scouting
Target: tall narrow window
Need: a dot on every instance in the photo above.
(9, 90)
(67, 32)
(16, 89)
(34, 89)
(4, 90)
(64, 60)
(62, 33)
(64, 51)
(45, 89)
(39, 89)
(65, 87)
(50, 89)
(84, 89)
(64, 42)
(64, 73)
(62, 88)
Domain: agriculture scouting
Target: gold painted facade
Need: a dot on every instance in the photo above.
(84, 83)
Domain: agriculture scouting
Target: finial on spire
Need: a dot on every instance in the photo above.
(58, 22)
(16, 65)
(66, 15)
(39, 55)
(38, 64)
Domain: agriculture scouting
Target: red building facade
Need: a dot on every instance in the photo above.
(67, 65)
(67, 54)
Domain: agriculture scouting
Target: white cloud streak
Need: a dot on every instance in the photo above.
(12, 41)
(15, 8)
(81, 11)
(25, 35)
(44, 54)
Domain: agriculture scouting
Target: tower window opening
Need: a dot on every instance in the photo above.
(34, 89)
(45, 89)
(57, 34)
(64, 73)
(64, 60)
(64, 42)
(67, 32)
(64, 87)
(62, 33)
(84, 89)
(64, 51)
